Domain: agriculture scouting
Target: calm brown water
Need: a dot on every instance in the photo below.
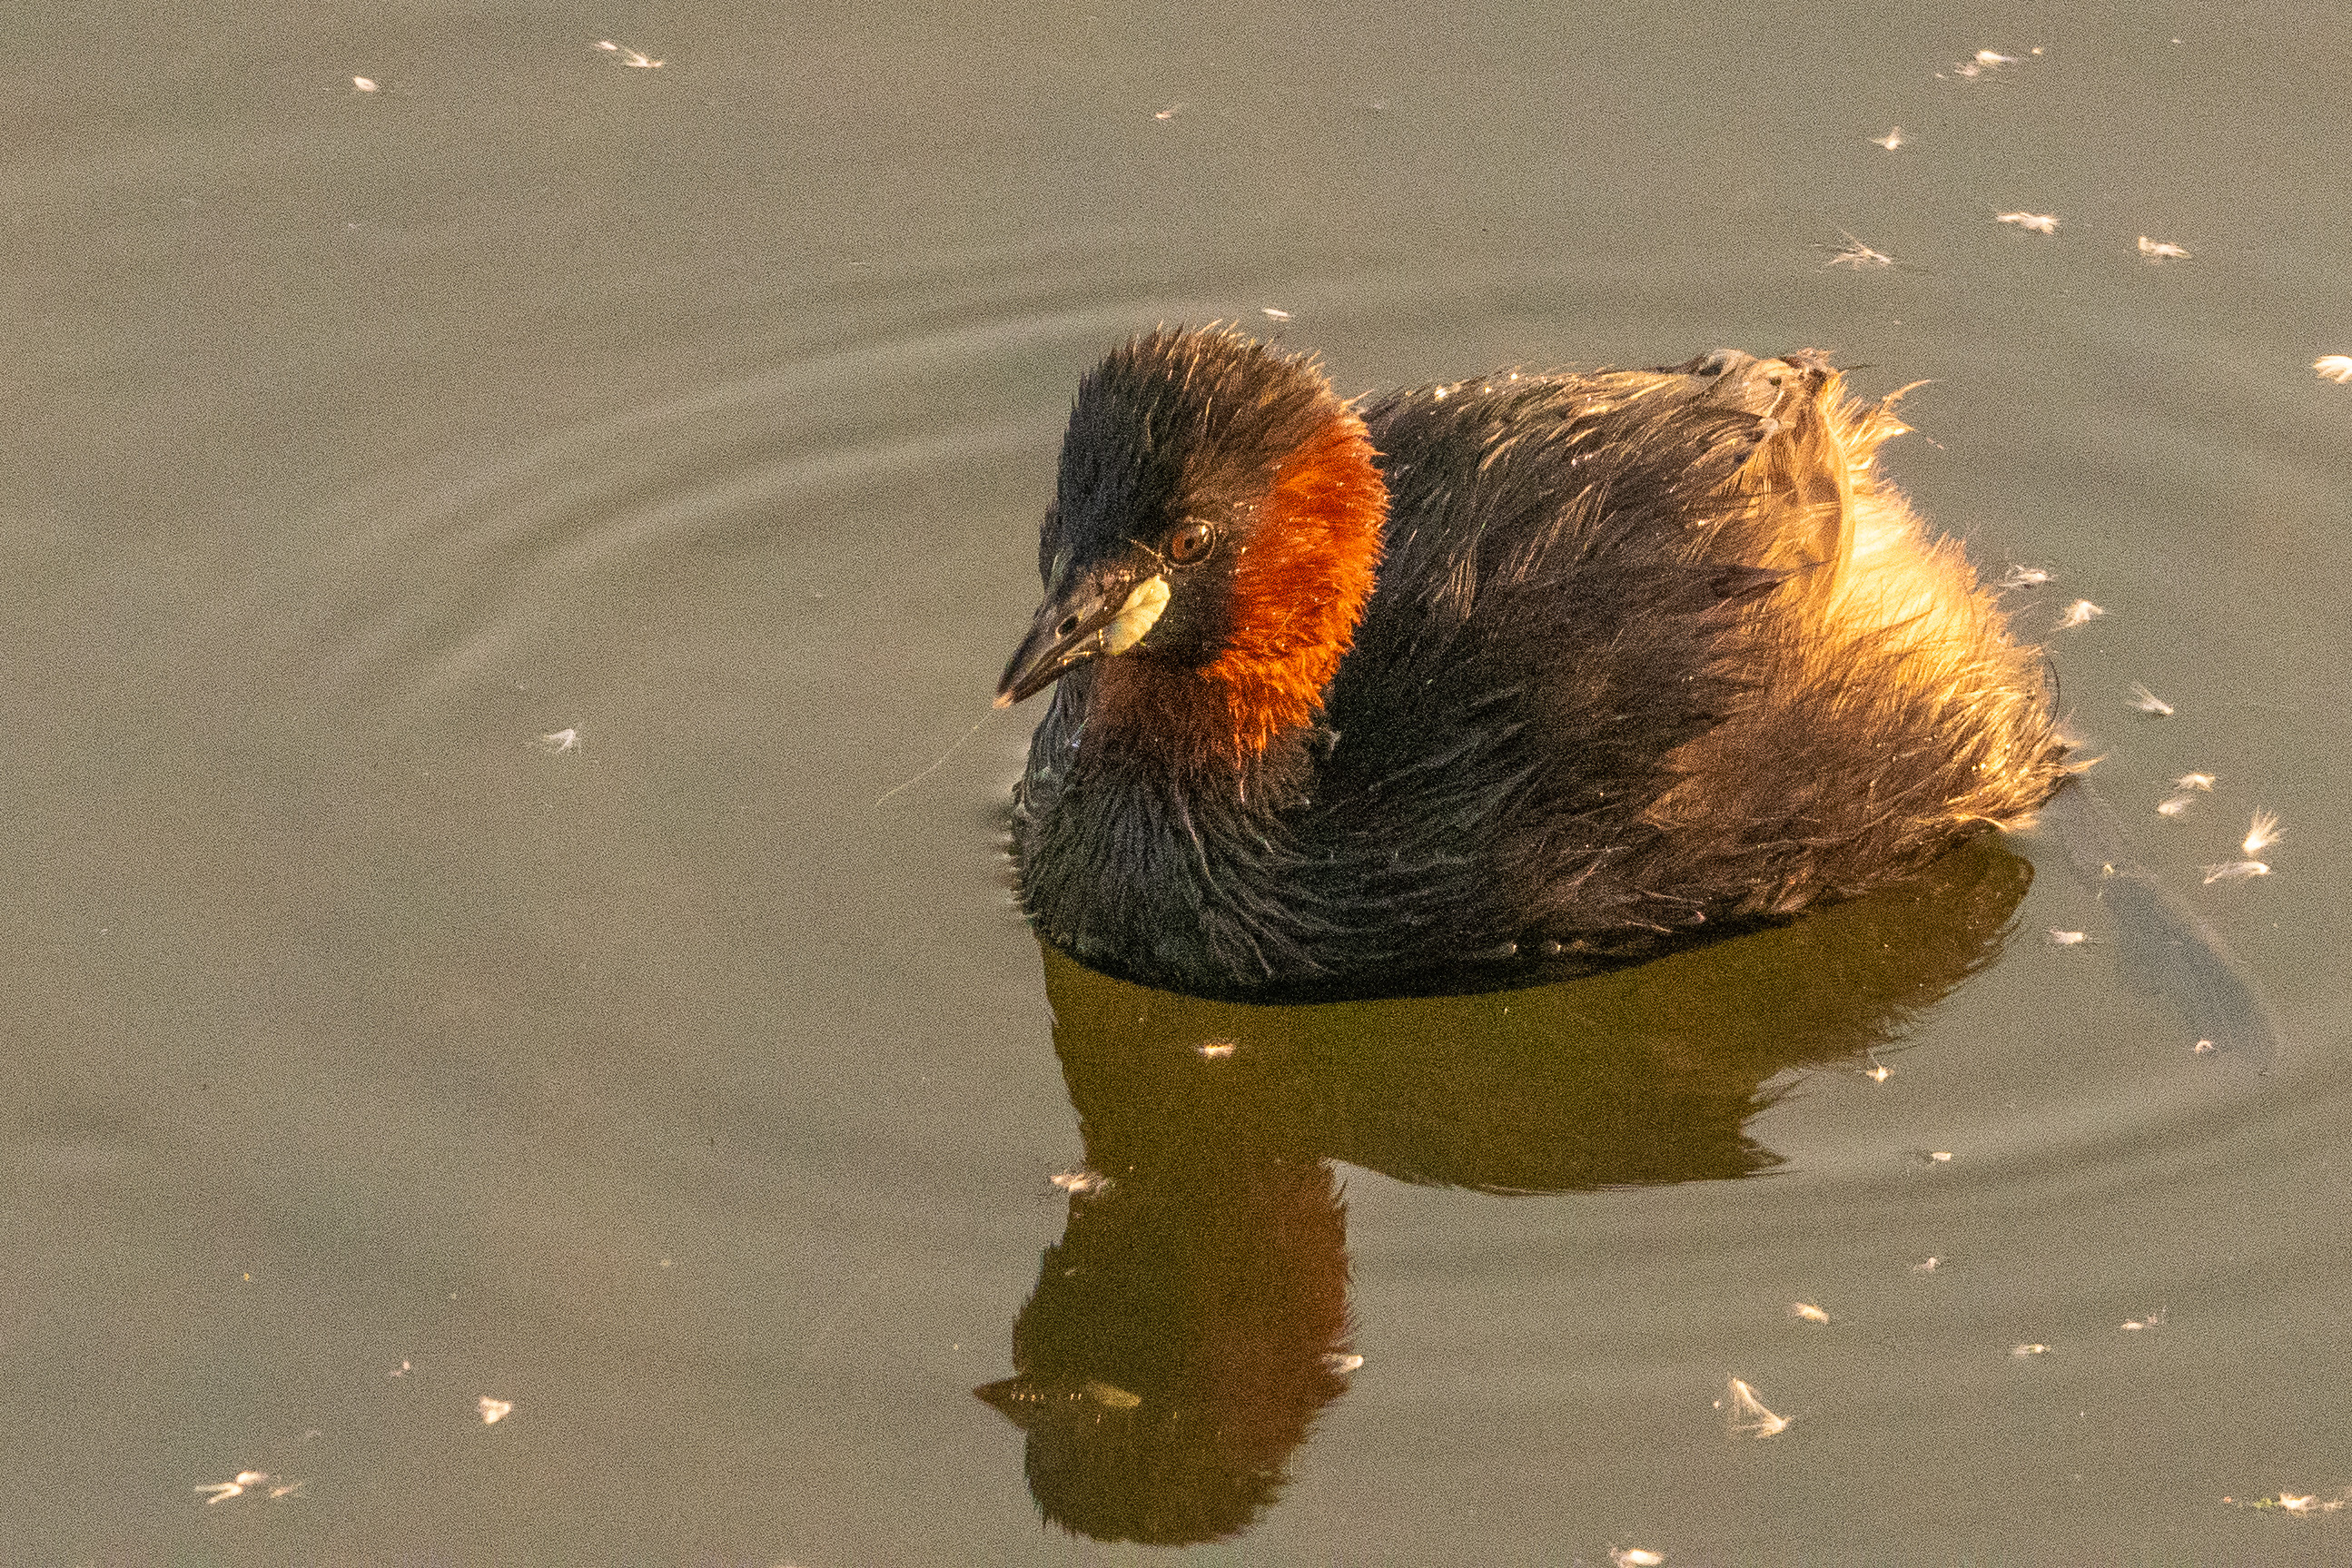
(370, 1053)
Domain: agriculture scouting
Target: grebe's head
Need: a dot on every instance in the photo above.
(1216, 525)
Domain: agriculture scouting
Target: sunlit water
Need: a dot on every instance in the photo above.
(495, 560)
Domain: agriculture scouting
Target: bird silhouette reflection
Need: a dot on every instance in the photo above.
(1194, 1319)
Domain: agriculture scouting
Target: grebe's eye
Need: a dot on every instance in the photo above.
(1191, 543)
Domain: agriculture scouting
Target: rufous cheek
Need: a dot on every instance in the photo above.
(1300, 592)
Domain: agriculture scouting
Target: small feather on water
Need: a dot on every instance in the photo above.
(1856, 255)
(2082, 612)
(2149, 702)
(222, 1491)
(2262, 832)
(2235, 871)
(1744, 1414)
(629, 56)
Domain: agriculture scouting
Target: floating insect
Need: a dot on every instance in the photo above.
(2057, 939)
(1271, 313)
(2038, 222)
(493, 1411)
(2203, 781)
(2027, 577)
(2158, 250)
(1892, 139)
(1808, 1311)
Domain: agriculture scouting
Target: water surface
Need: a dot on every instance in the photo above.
(686, 1086)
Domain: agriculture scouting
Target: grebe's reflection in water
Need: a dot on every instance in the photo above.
(1194, 1319)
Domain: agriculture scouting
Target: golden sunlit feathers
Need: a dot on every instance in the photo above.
(1884, 662)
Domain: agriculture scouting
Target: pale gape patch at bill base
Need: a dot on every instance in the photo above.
(1137, 616)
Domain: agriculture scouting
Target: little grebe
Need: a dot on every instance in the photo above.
(1429, 688)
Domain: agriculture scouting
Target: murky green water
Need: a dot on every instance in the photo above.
(376, 1049)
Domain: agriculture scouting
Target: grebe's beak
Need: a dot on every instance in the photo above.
(1094, 618)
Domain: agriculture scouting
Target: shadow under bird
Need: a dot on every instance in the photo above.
(1441, 686)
